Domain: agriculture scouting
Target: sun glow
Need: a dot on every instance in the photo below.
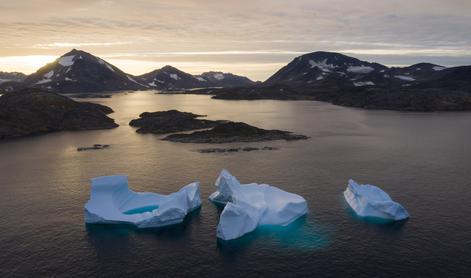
(26, 64)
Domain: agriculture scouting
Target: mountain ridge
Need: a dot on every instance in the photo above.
(347, 81)
(78, 71)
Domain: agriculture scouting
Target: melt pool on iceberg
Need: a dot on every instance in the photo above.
(370, 201)
(248, 206)
(112, 202)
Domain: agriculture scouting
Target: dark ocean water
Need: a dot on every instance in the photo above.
(423, 160)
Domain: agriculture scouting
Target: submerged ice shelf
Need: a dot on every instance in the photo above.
(370, 201)
(112, 202)
(248, 206)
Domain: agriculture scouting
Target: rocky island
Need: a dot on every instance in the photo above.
(170, 121)
(32, 111)
(234, 132)
(94, 147)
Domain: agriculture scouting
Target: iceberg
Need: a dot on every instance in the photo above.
(248, 206)
(112, 202)
(370, 201)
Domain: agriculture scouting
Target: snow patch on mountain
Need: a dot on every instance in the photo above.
(322, 65)
(360, 69)
(133, 80)
(109, 67)
(201, 79)
(43, 81)
(363, 83)
(438, 68)
(218, 76)
(405, 78)
(174, 76)
(105, 64)
(66, 61)
(49, 74)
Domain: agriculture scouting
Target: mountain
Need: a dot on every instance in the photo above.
(31, 111)
(170, 78)
(220, 79)
(11, 81)
(11, 76)
(325, 67)
(343, 80)
(329, 69)
(79, 71)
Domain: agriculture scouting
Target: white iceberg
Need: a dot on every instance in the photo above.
(112, 202)
(370, 201)
(248, 206)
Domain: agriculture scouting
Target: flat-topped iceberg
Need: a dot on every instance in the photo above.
(370, 201)
(248, 206)
(112, 202)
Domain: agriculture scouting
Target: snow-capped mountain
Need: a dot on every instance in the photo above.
(321, 67)
(221, 79)
(79, 71)
(11, 77)
(170, 78)
(329, 69)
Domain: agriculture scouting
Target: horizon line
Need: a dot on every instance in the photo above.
(123, 58)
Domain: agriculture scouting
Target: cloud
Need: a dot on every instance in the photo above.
(59, 45)
(256, 31)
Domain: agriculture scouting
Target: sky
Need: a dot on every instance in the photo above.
(247, 37)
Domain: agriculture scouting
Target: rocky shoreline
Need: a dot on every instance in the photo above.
(399, 99)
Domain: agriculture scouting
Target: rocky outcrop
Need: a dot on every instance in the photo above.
(30, 111)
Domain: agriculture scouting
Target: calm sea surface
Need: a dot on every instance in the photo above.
(423, 160)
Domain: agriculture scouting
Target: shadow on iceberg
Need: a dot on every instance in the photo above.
(117, 239)
(112, 202)
(385, 225)
(371, 204)
(120, 230)
(248, 206)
